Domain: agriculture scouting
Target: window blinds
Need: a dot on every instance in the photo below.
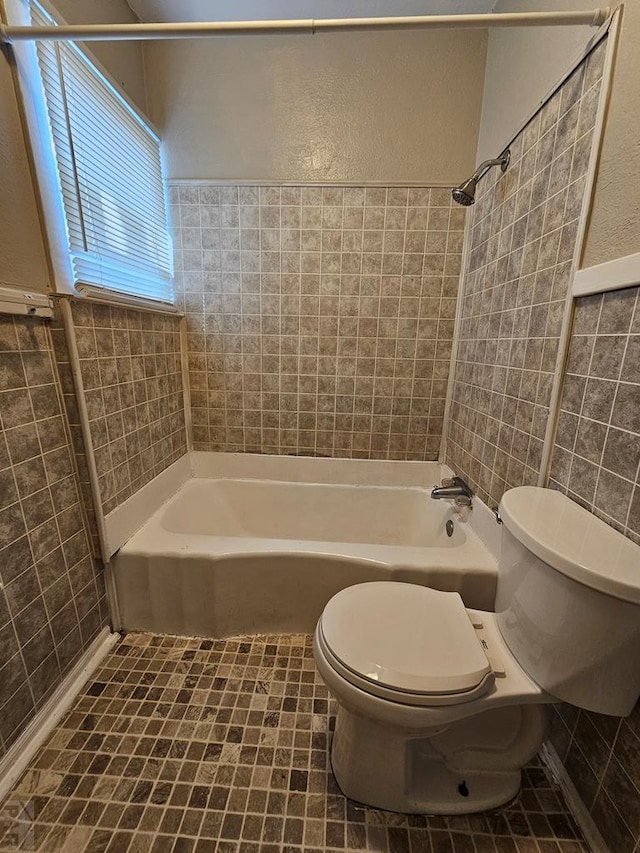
(110, 175)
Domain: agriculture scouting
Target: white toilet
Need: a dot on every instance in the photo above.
(439, 707)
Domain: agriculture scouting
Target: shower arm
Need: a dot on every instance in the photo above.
(205, 29)
(483, 168)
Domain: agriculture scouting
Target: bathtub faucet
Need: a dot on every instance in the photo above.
(453, 489)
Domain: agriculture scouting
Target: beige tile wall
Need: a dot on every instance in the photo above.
(523, 237)
(602, 757)
(52, 599)
(320, 320)
(596, 461)
(131, 369)
(597, 450)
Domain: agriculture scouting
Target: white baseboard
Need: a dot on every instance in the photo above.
(573, 799)
(611, 275)
(15, 761)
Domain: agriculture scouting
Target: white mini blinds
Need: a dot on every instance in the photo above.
(108, 161)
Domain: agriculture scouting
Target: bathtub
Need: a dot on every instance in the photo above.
(230, 555)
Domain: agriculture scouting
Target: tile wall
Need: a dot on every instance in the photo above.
(523, 237)
(597, 448)
(320, 320)
(52, 599)
(596, 461)
(602, 757)
(131, 369)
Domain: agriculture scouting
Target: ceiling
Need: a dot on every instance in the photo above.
(259, 10)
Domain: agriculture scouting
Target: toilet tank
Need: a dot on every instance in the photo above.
(568, 600)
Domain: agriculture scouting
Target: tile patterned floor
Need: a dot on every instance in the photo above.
(197, 745)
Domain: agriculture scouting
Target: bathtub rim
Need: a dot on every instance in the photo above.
(441, 511)
(153, 539)
(125, 522)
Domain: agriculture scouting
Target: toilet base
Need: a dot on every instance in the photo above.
(472, 766)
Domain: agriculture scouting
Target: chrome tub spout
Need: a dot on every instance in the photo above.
(455, 489)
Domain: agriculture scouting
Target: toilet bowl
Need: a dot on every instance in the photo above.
(440, 706)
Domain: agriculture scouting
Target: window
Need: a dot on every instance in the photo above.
(110, 175)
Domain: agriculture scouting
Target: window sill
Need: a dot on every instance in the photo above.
(137, 303)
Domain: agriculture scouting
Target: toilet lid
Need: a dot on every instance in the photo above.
(405, 637)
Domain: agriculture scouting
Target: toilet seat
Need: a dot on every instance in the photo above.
(405, 643)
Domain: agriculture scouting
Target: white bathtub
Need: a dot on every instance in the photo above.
(239, 555)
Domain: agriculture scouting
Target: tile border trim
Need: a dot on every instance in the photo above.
(610, 275)
(271, 182)
(17, 758)
(576, 806)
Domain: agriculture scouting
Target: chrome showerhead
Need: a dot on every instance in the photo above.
(465, 194)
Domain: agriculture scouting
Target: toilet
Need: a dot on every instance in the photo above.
(440, 706)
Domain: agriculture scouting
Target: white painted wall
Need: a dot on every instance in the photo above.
(23, 262)
(614, 228)
(523, 64)
(124, 59)
(388, 107)
(273, 10)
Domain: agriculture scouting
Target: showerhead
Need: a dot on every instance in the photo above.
(465, 194)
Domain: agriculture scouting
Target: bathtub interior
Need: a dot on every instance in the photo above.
(318, 512)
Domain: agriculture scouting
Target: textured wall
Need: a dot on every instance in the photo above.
(122, 59)
(131, 370)
(523, 66)
(320, 320)
(19, 219)
(523, 237)
(614, 227)
(347, 107)
(596, 461)
(52, 605)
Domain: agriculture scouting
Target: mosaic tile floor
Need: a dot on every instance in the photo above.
(188, 745)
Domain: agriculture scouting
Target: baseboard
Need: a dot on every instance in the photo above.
(573, 799)
(15, 761)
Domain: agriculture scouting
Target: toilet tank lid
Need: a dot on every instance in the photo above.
(573, 541)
